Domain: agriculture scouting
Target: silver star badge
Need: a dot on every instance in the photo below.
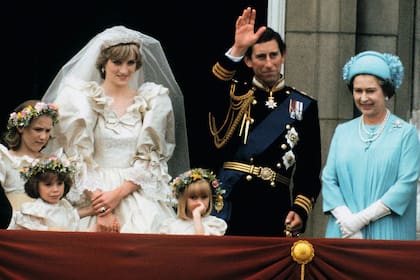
(270, 103)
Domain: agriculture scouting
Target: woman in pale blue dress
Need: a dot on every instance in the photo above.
(370, 178)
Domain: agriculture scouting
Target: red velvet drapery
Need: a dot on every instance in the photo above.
(77, 255)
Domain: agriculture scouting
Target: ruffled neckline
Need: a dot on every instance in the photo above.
(40, 208)
(102, 105)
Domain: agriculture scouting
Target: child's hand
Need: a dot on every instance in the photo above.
(197, 213)
(107, 223)
(199, 210)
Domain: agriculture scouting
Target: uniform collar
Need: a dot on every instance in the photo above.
(279, 85)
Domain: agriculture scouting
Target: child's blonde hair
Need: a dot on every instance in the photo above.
(199, 188)
(184, 181)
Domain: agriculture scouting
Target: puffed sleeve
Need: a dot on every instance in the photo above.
(214, 226)
(31, 217)
(75, 129)
(10, 177)
(155, 144)
(3, 151)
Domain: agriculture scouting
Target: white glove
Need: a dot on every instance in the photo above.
(342, 213)
(353, 223)
(356, 235)
(375, 211)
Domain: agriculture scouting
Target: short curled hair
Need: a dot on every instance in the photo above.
(268, 35)
(386, 85)
(118, 52)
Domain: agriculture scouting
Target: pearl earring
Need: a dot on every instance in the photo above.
(386, 98)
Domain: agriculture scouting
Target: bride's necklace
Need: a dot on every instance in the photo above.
(372, 135)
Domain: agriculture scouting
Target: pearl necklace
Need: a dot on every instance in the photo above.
(372, 136)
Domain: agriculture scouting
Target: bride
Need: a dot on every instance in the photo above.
(117, 121)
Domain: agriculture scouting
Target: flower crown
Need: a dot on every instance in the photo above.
(179, 184)
(24, 117)
(51, 164)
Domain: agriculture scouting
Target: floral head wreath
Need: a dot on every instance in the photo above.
(24, 117)
(179, 184)
(383, 65)
(51, 164)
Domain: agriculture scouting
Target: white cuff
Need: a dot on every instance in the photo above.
(375, 211)
(340, 212)
(233, 58)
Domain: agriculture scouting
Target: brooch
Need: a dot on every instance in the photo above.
(292, 137)
(397, 124)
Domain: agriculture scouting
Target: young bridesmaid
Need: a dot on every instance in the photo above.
(48, 180)
(197, 192)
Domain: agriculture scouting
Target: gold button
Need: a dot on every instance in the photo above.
(287, 126)
(248, 177)
(254, 102)
(283, 146)
(278, 165)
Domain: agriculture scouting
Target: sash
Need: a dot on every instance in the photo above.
(259, 139)
(262, 136)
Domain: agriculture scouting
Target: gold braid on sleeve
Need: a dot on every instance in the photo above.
(239, 112)
(222, 73)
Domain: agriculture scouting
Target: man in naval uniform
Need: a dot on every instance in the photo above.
(267, 138)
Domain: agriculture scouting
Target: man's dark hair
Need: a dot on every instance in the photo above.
(268, 35)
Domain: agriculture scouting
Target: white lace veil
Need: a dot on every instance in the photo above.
(155, 68)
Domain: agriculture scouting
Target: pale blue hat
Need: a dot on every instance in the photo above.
(383, 65)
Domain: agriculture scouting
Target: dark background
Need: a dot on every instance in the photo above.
(38, 40)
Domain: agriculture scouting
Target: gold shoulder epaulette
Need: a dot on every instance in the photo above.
(222, 73)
